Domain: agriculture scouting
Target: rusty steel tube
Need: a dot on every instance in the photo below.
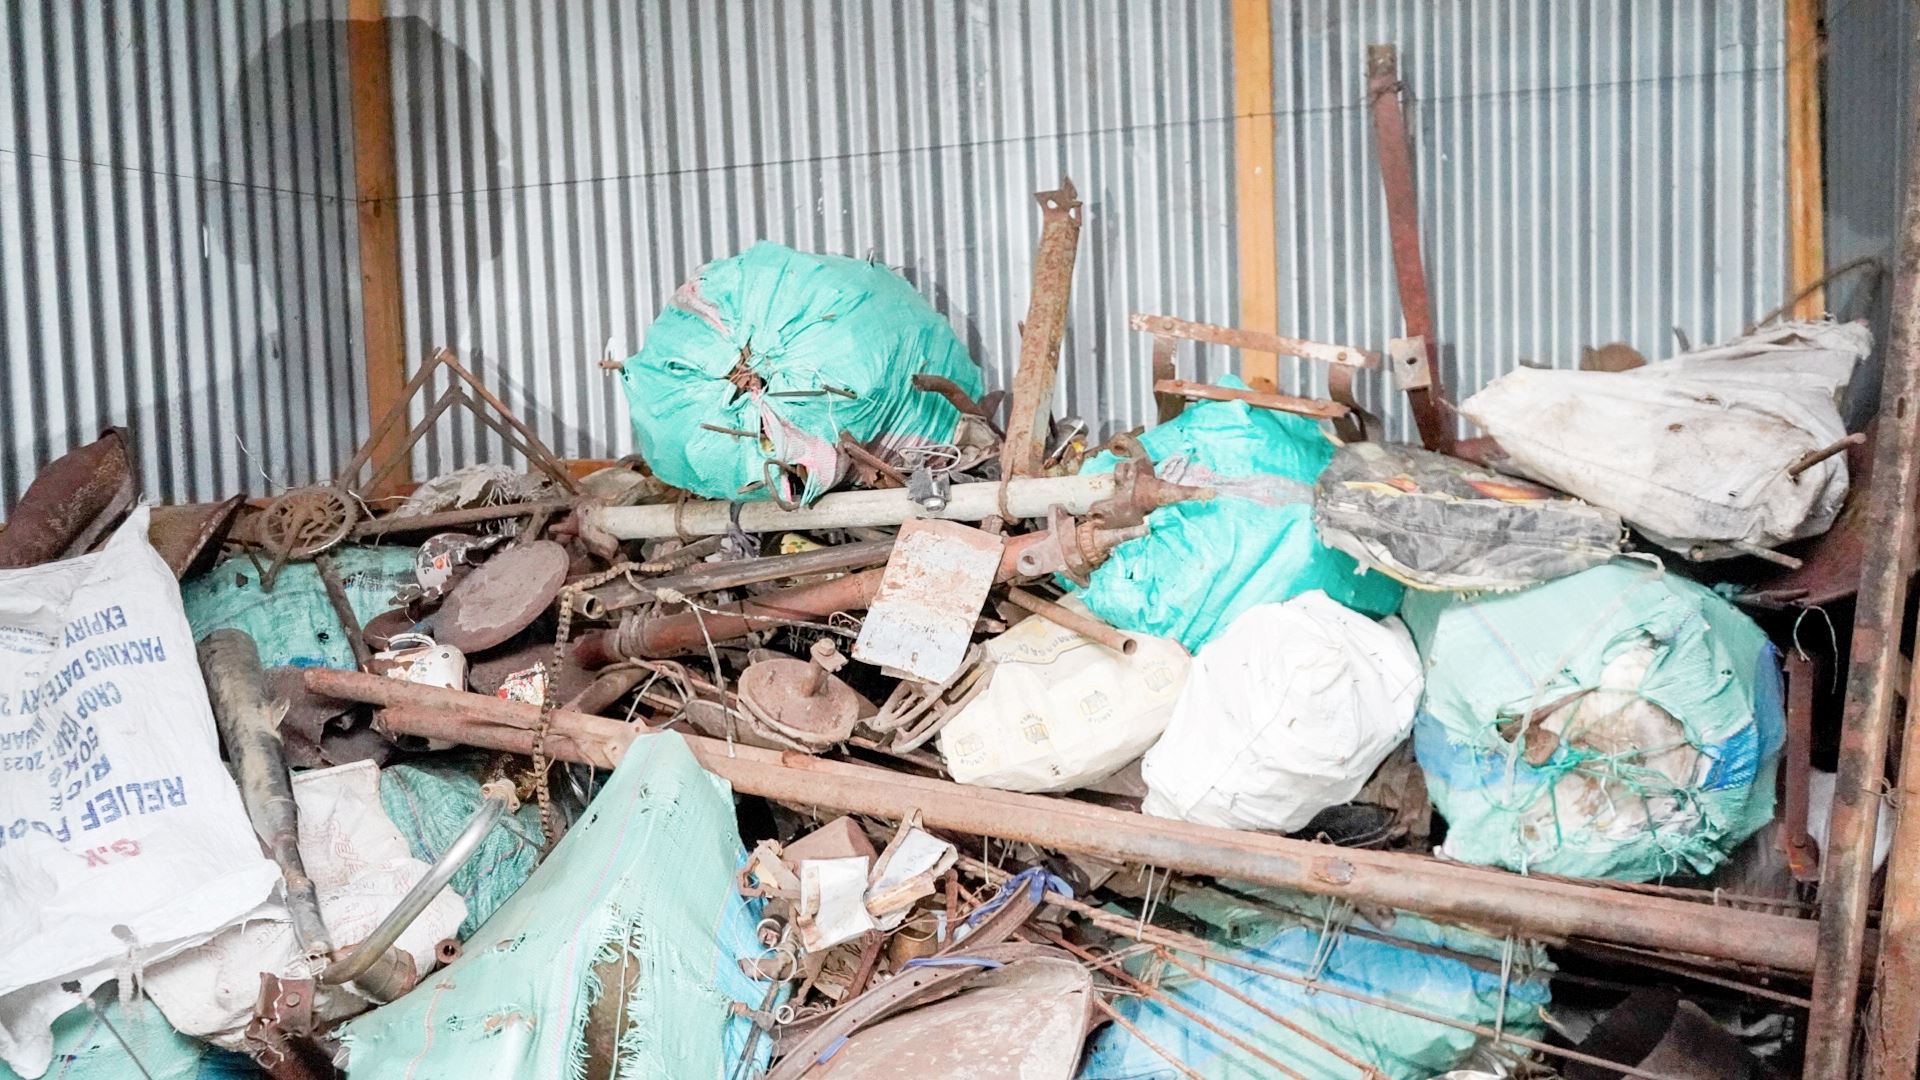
(1259, 399)
(690, 631)
(1077, 621)
(1472, 895)
(1867, 719)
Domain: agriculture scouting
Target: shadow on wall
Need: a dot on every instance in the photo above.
(295, 91)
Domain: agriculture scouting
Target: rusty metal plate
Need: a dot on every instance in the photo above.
(188, 537)
(1025, 1021)
(75, 501)
(502, 597)
(930, 597)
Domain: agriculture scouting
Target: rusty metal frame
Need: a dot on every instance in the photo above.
(1395, 148)
(1892, 524)
(1349, 419)
(1025, 450)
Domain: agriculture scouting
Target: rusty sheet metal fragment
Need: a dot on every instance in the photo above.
(935, 584)
(189, 536)
(1022, 1022)
(502, 597)
(1028, 420)
(1395, 150)
(74, 502)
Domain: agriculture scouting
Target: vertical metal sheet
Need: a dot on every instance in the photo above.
(176, 240)
(1866, 124)
(565, 167)
(1588, 173)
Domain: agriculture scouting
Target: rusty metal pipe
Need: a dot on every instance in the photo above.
(706, 577)
(1872, 688)
(1077, 621)
(690, 631)
(250, 730)
(1472, 895)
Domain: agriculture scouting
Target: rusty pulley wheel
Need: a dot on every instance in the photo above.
(306, 521)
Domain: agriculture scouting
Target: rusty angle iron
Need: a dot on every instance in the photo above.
(502, 597)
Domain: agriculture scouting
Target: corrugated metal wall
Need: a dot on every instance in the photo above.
(1588, 172)
(177, 246)
(565, 167)
(176, 224)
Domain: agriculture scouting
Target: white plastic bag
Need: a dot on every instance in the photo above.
(1062, 711)
(122, 837)
(1285, 714)
(361, 867)
(1693, 451)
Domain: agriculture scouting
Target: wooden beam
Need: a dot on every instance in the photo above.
(370, 81)
(1254, 183)
(1806, 188)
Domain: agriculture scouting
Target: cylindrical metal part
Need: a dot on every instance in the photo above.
(1472, 895)
(250, 729)
(1077, 621)
(1026, 498)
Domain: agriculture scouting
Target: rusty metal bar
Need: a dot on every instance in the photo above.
(1814, 457)
(1079, 622)
(1872, 687)
(708, 577)
(1028, 421)
(451, 519)
(1259, 399)
(1253, 340)
(1395, 148)
(1471, 895)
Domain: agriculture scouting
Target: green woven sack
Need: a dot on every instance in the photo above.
(1206, 562)
(1622, 722)
(430, 800)
(294, 625)
(760, 362)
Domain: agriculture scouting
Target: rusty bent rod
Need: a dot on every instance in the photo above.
(1473, 895)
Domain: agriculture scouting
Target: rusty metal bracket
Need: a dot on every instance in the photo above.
(1395, 149)
(1027, 423)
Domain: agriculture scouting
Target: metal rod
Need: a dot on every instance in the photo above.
(1814, 457)
(1199, 973)
(1259, 399)
(450, 519)
(711, 577)
(1165, 1055)
(1077, 621)
(1120, 976)
(1893, 1020)
(343, 609)
(1872, 687)
(362, 958)
(1253, 340)
(1154, 934)
(1470, 895)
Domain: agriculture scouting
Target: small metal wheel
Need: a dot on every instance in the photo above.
(306, 521)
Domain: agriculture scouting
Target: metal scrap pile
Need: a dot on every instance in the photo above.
(1049, 758)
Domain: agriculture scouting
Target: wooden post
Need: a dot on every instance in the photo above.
(370, 81)
(1254, 185)
(1806, 190)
